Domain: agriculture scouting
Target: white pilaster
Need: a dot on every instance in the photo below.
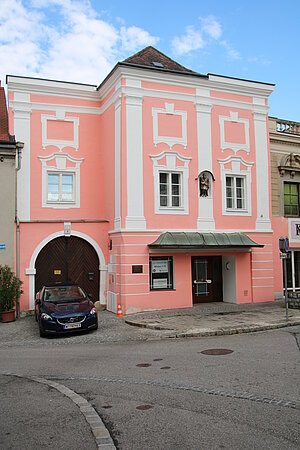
(22, 111)
(135, 193)
(262, 165)
(117, 222)
(203, 105)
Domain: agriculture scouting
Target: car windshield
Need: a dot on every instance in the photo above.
(63, 293)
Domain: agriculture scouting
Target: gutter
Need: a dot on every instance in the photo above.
(19, 147)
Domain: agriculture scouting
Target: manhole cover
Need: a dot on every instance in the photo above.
(217, 351)
(165, 367)
(158, 359)
(144, 407)
(143, 365)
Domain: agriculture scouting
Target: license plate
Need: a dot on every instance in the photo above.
(69, 326)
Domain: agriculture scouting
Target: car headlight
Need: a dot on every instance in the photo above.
(46, 316)
(93, 311)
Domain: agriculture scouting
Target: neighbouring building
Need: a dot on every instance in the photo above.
(285, 178)
(9, 164)
(152, 190)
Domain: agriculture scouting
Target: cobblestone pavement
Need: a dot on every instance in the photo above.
(201, 320)
(218, 319)
(25, 332)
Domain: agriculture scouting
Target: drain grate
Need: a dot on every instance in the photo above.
(165, 367)
(158, 359)
(216, 351)
(143, 365)
(107, 406)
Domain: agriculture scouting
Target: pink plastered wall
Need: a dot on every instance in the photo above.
(167, 221)
(237, 134)
(262, 263)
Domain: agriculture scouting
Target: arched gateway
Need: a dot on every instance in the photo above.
(81, 260)
(68, 260)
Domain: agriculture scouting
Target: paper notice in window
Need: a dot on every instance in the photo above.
(160, 283)
(160, 266)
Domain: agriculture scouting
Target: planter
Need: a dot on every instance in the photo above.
(8, 316)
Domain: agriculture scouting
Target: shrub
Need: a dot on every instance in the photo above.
(10, 288)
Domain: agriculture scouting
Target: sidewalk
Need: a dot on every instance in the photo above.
(216, 319)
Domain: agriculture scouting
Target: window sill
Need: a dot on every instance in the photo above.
(162, 289)
(171, 210)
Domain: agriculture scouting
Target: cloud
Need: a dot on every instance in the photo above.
(211, 26)
(63, 39)
(231, 53)
(134, 37)
(189, 41)
(196, 38)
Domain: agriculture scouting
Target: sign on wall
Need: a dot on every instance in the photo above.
(294, 230)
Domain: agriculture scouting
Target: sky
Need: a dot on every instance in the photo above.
(81, 40)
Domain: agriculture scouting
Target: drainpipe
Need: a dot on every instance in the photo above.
(19, 146)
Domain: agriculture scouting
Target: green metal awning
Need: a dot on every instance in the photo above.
(195, 240)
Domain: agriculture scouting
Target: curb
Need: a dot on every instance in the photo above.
(217, 332)
(100, 432)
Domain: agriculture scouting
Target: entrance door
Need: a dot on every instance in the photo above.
(207, 279)
(68, 260)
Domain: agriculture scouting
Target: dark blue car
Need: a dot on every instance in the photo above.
(63, 309)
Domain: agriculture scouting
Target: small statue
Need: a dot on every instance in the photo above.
(204, 185)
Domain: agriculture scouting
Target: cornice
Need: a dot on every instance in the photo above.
(52, 88)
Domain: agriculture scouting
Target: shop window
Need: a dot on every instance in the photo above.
(291, 199)
(293, 270)
(161, 273)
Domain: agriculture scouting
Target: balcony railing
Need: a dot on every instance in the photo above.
(285, 126)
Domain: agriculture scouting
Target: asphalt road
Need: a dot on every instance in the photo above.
(179, 398)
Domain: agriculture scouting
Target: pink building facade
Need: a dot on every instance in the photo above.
(152, 191)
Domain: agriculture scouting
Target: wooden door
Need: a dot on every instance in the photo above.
(66, 260)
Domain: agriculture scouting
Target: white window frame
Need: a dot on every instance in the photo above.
(60, 184)
(234, 178)
(60, 167)
(169, 194)
(237, 162)
(170, 167)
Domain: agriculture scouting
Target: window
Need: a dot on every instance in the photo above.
(60, 187)
(171, 175)
(170, 189)
(291, 199)
(60, 181)
(236, 186)
(235, 192)
(161, 273)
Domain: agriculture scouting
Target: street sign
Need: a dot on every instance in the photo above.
(2, 246)
(283, 256)
(284, 244)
